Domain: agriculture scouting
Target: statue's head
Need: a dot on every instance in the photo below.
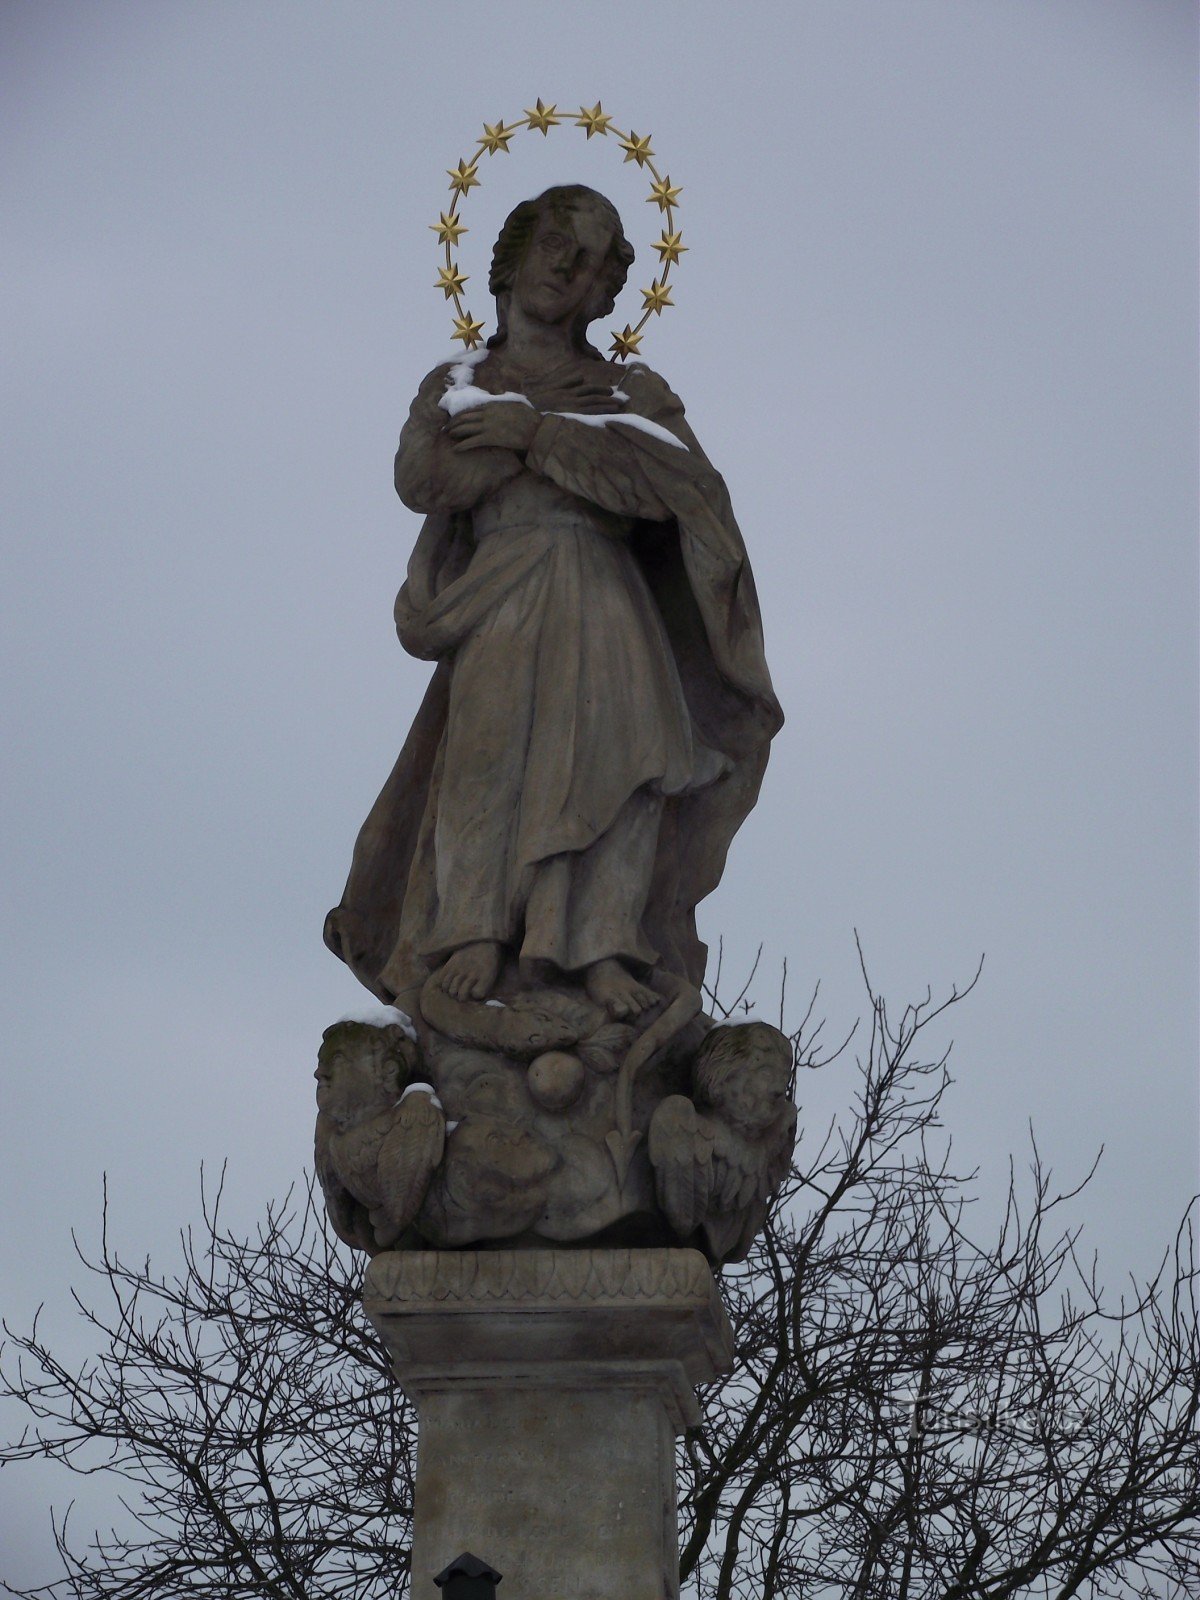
(360, 1069)
(743, 1072)
(565, 256)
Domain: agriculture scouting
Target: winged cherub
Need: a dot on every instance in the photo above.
(377, 1144)
(719, 1160)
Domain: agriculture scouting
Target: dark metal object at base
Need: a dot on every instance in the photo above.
(468, 1578)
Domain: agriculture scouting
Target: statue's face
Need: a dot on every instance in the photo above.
(562, 264)
(753, 1094)
(753, 1098)
(350, 1083)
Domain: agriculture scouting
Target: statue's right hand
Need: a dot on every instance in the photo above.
(498, 426)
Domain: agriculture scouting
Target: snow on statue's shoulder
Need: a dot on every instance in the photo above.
(462, 395)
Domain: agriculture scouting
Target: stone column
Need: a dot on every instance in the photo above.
(550, 1386)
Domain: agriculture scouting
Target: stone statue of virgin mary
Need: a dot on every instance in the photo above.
(594, 733)
(598, 723)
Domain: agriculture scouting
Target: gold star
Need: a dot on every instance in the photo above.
(463, 176)
(595, 120)
(626, 343)
(663, 194)
(449, 228)
(669, 248)
(543, 118)
(468, 330)
(496, 138)
(637, 149)
(450, 280)
(656, 297)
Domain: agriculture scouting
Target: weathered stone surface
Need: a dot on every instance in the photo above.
(599, 722)
(719, 1161)
(550, 1386)
(594, 734)
(472, 1146)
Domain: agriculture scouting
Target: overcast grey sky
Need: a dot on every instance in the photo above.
(937, 327)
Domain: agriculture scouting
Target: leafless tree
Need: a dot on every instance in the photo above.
(247, 1411)
(913, 1415)
(917, 1415)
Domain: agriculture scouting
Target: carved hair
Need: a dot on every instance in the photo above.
(390, 1048)
(726, 1050)
(514, 239)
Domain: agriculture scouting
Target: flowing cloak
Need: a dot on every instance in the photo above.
(674, 512)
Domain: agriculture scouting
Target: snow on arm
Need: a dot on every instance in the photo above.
(623, 470)
(461, 394)
(629, 418)
(633, 419)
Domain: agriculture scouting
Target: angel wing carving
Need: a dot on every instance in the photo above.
(711, 1176)
(348, 1215)
(680, 1146)
(408, 1156)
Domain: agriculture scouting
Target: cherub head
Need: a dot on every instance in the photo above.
(743, 1072)
(565, 255)
(360, 1070)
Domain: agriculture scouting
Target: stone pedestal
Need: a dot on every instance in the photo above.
(550, 1386)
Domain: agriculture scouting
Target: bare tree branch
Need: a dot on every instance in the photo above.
(915, 1413)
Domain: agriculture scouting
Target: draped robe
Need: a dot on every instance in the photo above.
(599, 720)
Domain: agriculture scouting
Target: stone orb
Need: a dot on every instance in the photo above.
(556, 1080)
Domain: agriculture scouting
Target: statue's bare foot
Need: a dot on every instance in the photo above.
(617, 990)
(471, 972)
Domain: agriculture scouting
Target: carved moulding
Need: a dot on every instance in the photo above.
(550, 1387)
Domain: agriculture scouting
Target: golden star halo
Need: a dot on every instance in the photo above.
(637, 149)
(497, 138)
(625, 344)
(449, 229)
(656, 297)
(463, 177)
(669, 248)
(595, 120)
(540, 118)
(450, 281)
(662, 194)
(467, 329)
